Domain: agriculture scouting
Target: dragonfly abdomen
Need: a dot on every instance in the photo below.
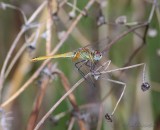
(69, 54)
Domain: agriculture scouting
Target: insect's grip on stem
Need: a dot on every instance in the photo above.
(81, 72)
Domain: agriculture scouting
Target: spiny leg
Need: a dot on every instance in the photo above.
(81, 72)
(90, 65)
(79, 67)
(82, 62)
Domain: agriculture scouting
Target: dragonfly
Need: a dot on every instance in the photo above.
(81, 53)
(82, 56)
(89, 57)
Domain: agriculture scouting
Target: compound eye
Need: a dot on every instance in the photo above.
(97, 52)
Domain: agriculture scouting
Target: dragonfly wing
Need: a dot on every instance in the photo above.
(84, 67)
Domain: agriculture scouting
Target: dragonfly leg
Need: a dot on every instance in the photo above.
(90, 65)
(94, 73)
(81, 72)
(82, 63)
(101, 67)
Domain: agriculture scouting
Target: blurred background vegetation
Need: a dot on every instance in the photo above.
(137, 110)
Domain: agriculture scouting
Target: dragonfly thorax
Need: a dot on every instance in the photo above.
(97, 55)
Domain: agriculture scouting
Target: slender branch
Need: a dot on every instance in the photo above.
(62, 98)
(48, 26)
(57, 104)
(66, 86)
(71, 97)
(135, 52)
(35, 75)
(37, 104)
(45, 79)
(9, 54)
(17, 56)
(152, 11)
(71, 123)
(133, 55)
(124, 34)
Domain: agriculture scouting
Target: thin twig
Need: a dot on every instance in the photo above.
(21, 50)
(66, 86)
(37, 104)
(5, 5)
(9, 54)
(133, 55)
(152, 11)
(62, 98)
(158, 16)
(45, 80)
(57, 104)
(34, 76)
(71, 123)
(124, 34)
(19, 53)
(49, 27)
(71, 97)
(135, 52)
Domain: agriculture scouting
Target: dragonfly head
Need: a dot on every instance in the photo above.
(97, 55)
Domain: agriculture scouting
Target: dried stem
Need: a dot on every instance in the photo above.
(37, 104)
(133, 55)
(71, 123)
(135, 52)
(45, 80)
(68, 89)
(34, 76)
(124, 34)
(9, 54)
(71, 97)
(62, 98)
(58, 103)
(66, 86)
(7, 59)
(49, 26)
(19, 53)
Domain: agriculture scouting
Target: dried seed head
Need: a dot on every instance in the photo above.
(152, 32)
(108, 117)
(31, 47)
(101, 20)
(145, 86)
(3, 5)
(121, 20)
(72, 14)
